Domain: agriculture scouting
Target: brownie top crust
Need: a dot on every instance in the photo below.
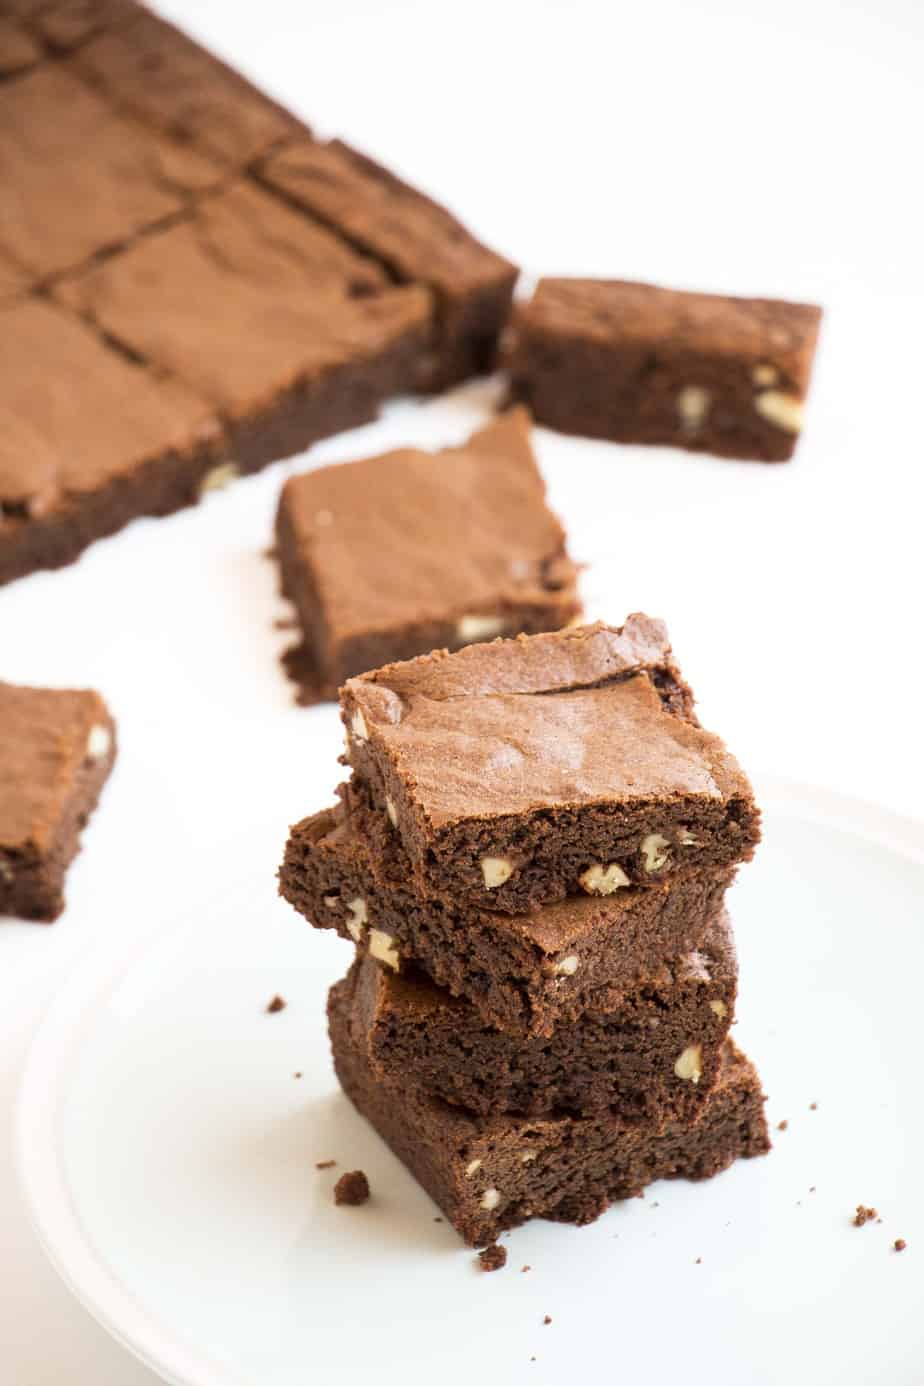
(414, 536)
(244, 298)
(742, 329)
(76, 414)
(46, 735)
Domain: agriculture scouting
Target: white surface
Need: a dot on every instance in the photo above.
(169, 1154)
(745, 147)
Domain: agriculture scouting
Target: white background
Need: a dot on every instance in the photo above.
(769, 149)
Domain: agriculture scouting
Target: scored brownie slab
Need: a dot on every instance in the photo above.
(389, 557)
(642, 364)
(523, 974)
(78, 178)
(521, 771)
(491, 1174)
(419, 241)
(268, 315)
(655, 1052)
(57, 748)
(89, 441)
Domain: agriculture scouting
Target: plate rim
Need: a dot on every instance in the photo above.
(68, 1243)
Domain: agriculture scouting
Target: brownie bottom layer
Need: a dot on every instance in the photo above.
(488, 1175)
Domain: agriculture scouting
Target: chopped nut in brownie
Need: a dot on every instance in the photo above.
(493, 1257)
(277, 1004)
(864, 1215)
(352, 1188)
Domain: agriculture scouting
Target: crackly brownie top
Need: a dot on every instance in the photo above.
(417, 238)
(46, 735)
(618, 311)
(415, 536)
(76, 414)
(244, 297)
(562, 720)
(78, 177)
(173, 83)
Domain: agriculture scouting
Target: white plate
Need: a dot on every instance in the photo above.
(168, 1154)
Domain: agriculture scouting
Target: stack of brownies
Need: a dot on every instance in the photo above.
(532, 857)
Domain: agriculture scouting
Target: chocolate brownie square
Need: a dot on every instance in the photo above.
(642, 364)
(57, 749)
(168, 81)
(392, 556)
(89, 440)
(651, 1052)
(417, 239)
(488, 1174)
(525, 974)
(78, 178)
(518, 772)
(286, 330)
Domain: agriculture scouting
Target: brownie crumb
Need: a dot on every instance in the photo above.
(352, 1188)
(813, 1106)
(277, 1004)
(493, 1257)
(547, 1319)
(782, 1125)
(325, 1164)
(525, 1268)
(698, 1261)
(297, 1075)
(864, 1215)
(437, 1219)
(899, 1244)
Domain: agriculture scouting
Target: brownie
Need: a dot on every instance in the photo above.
(90, 440)
(284, 328)
(654, 1053)
(390, 557)
(417, 239)
(523, 974)
(78, 178)
(168, 81)
(14, 282)
(18, 49)
(491, 1174)
(521, 771)
(66, 24)
(641, 364)
(57, 748)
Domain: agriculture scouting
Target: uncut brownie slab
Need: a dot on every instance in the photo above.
(525, 974)
(642, 364)
(389, 557)
(78, 178)
(521, 771)
(89, 440)
(651, 1052)
(488, 1174)
(416, 238)
(286, 330)
(57, 748)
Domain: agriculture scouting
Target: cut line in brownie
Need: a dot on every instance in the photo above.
(521, 771)
(525, 974)
(491, 1174)
(641, 364)
(392, 556)
(63, 25)
(57, 748)
(654, 1053)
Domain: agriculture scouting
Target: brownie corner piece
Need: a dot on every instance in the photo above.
(638, 363)
(522, 771)
(391, 556)
(57, 748)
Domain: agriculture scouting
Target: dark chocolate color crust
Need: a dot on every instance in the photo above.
(525, 974)
(521, 771)
(488, 1175)
(392, 556)
(641, 364)
(57, 749)
(656, 1053)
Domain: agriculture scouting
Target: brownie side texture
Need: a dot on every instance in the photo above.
(656, 1053)
(416, 238)
(522, 771)
(57, 748)
(392, 556)
(641, 364)
(489, 1175)
(522, 974)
